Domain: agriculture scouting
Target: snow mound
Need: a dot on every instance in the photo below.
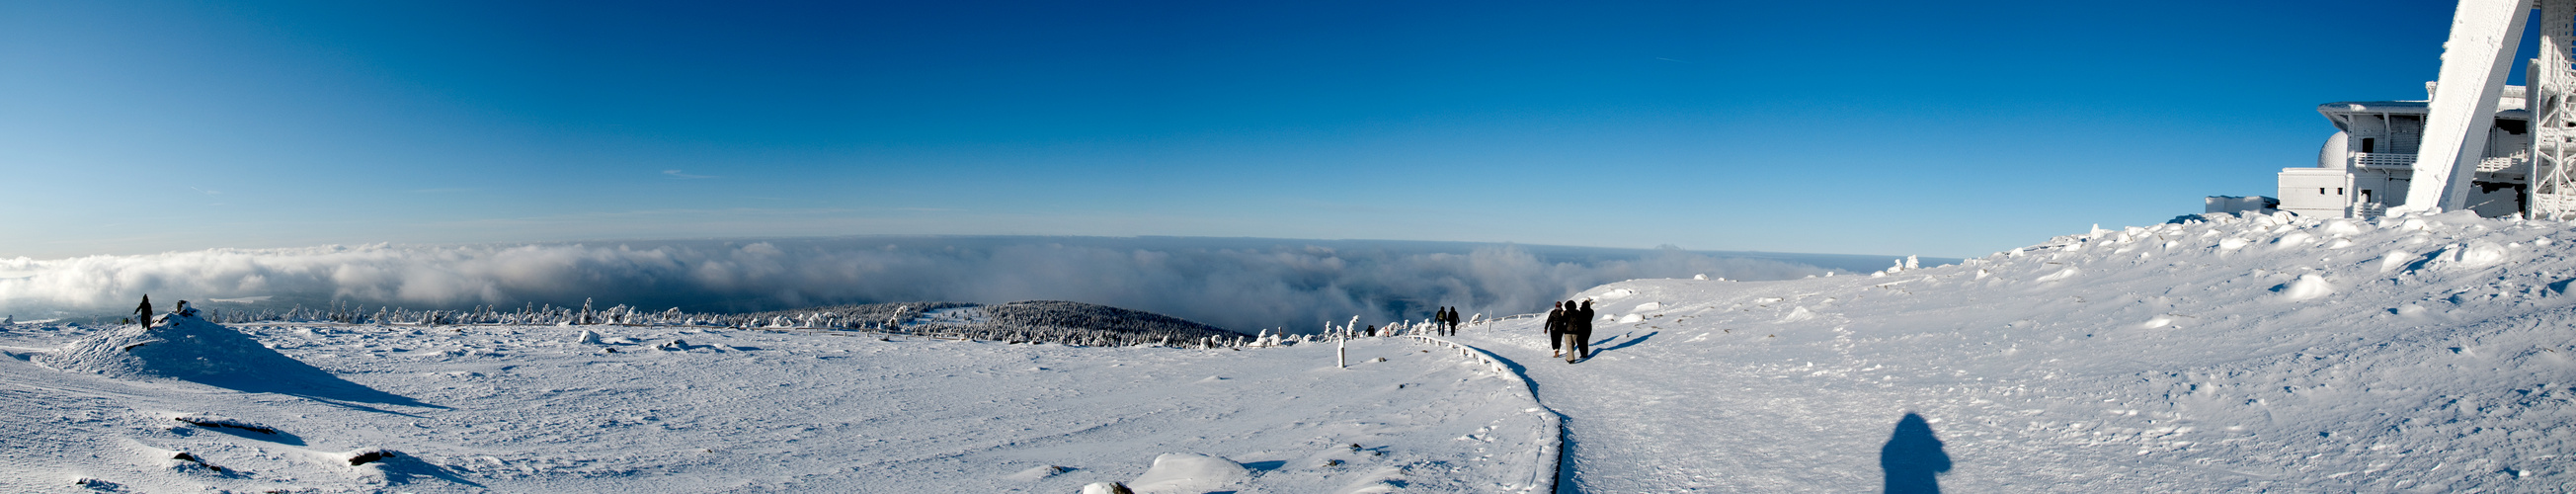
(181, 348)
(191, 349)
(2477, 254)
(1797, 314)
(1178, 473)
(2308, 286)
(1037, 473)
(1379, 481)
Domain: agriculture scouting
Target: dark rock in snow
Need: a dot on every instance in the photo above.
(370, 456)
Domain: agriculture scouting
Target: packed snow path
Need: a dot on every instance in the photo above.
(2242, 355)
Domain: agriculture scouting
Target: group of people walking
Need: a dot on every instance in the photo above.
(1443, 323)
(1569, 330)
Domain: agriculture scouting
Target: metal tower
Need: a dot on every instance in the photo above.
(2553, 144)
(2475, 62)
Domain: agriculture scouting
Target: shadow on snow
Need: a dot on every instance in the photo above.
(1913, 457)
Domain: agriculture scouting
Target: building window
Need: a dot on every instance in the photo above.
(2338, 191)
(2369, 145)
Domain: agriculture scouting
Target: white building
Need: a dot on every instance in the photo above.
(2368, 164)
(2474, 143)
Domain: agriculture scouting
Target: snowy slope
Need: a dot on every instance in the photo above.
(2239, 355)
(2262, 354)
(532, 409)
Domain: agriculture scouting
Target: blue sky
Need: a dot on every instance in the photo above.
(1927, 128)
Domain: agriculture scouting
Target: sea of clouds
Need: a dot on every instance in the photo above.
(1241, 284)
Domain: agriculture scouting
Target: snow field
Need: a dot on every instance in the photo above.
(536, 409)
(2422, 353)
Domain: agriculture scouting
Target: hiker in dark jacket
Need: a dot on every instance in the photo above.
(1555, 329)
(143, 313)
(1440, 322)
(1453, 321)
(1578, 322)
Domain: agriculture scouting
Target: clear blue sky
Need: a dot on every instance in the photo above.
(1933, 128)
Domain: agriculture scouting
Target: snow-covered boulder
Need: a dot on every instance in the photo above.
(1037, 473)
(1178, 473)
(2308, 286)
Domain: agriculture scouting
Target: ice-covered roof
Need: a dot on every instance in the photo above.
(2341, 111)
(2511, 98)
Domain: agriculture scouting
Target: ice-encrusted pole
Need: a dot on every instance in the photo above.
(1341, 342)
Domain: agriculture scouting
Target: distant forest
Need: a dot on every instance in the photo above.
(1048, 321)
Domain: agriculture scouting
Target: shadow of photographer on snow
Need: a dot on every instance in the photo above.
(1913, 457)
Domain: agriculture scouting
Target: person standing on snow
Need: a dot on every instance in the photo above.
(143, 313)
(1453, 321)
(1556, 329)
(1578, 327)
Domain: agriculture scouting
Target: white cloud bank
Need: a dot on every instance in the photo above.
(1242, 284)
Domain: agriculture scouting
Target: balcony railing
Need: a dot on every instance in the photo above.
(2394, 160)
(2498, 164)
(2382, 160)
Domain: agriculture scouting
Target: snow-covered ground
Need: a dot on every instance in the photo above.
(2407, 354)
(2241, 355)
(531, 409)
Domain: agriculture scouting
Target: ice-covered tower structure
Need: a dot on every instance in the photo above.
(2474, 144)
(2553, 150)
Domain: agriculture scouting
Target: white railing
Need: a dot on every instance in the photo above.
(2382, 160)
(1546, 459)
(2498, 164)
(2394, 160)
(1509, 317)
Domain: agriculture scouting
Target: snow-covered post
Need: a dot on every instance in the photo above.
(1341, 345)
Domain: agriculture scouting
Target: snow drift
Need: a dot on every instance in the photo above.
(191, 349)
